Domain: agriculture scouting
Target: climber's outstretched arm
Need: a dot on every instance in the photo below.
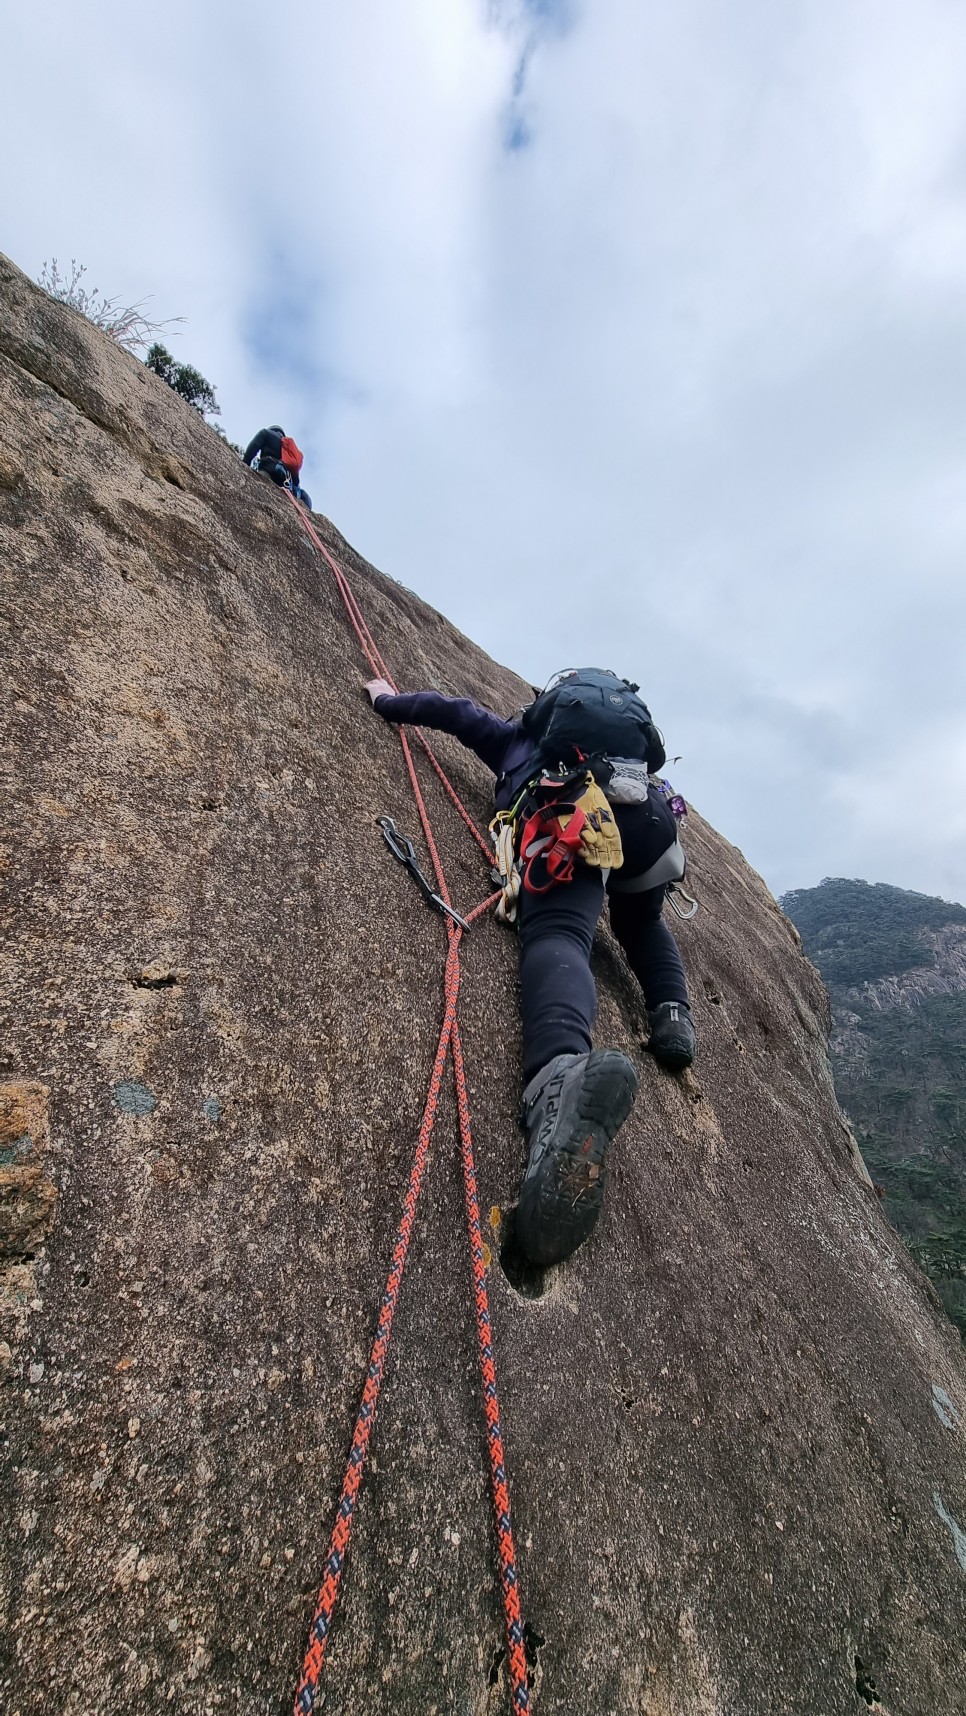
(476, 728)
(256, 445)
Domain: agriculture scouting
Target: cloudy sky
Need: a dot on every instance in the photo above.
(625, 331)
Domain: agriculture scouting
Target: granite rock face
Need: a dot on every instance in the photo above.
(944, 974)
(734, 1422)
(895, 965)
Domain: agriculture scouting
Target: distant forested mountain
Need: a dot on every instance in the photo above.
(894, 963)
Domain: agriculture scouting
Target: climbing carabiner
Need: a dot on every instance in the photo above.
(402, 848)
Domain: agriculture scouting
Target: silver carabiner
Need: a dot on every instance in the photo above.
(675, 888)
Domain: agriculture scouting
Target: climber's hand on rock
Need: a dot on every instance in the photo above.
(379, 688)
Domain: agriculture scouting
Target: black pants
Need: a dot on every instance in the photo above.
(557, 995)
(272, 468)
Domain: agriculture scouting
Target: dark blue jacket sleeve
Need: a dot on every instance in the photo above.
(478, 729)
(256, 445)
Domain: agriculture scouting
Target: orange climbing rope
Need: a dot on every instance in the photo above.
(450, 1043)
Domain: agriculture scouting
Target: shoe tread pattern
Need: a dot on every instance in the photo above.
(560, 1206)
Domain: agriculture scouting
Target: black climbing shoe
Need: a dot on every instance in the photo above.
(571, 1111)
(672, 1041)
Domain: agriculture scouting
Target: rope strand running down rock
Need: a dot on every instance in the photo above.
(450, 1043)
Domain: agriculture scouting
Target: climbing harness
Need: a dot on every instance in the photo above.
(667, 870)
(538, 840)
(450, 1043)
(405, 851)
(553, 823)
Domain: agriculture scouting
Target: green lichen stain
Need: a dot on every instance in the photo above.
(134, 1098)
(10, 1152)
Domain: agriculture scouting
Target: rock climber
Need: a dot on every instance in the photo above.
(575, 1098)
(278, 457)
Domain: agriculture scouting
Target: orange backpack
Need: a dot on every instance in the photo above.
(291, 456)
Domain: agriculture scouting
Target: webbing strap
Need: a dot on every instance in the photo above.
(449, 1042)
(670, 867)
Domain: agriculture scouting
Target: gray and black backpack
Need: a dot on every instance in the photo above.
(588, 713)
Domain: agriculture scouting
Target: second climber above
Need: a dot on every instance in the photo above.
(278, 457)
(575, 1099)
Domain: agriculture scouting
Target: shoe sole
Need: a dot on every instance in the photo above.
(672, 1057)
(559, 1205)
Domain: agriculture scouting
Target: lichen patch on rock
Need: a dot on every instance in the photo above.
(28, 1200)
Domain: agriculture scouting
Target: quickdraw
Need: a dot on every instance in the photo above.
(403, 849)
